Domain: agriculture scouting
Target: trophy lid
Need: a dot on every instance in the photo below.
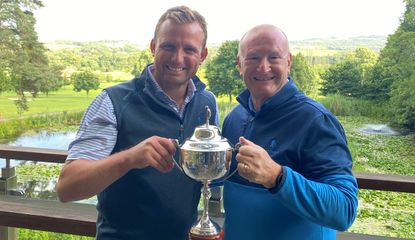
(207, 137)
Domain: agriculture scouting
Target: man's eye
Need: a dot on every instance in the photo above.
(167, 47)
(190, 50)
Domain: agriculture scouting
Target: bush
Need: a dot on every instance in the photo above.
(13, 128)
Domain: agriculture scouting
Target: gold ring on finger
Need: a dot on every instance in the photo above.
(246, 167)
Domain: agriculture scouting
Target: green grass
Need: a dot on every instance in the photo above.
(63, 100)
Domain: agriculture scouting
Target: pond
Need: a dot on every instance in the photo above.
(42, 139)
(41, 187)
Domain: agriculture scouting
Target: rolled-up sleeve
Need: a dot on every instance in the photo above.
(97, 133)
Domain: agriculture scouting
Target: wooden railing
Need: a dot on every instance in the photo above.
(77, 218)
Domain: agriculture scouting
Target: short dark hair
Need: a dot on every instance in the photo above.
(183, 15)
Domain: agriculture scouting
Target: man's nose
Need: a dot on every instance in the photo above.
(264, 65)
(178, 55)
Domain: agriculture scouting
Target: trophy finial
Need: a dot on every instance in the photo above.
(208, 114)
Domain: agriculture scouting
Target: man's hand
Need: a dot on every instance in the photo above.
(255, 164)
(156, 152)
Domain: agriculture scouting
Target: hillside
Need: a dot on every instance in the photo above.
(329, 44)
(375, 43)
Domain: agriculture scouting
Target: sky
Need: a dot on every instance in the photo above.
(134, 20)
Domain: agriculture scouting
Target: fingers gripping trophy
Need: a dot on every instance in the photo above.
(205, 157)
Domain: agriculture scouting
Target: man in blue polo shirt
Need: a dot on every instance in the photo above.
(294, 176)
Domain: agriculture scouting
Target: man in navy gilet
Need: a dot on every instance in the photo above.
(123, 151)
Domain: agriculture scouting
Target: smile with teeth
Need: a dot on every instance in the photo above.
(264, 78)
(175, 69)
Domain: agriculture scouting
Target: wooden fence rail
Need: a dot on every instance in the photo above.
(77, 218)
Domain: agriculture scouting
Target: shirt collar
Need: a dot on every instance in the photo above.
(158, 92)
(287, 91)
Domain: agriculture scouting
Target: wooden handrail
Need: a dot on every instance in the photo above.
(385, 182)
(33, 154)
(48, 215)
(373, 181)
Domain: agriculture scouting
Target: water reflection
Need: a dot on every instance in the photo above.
(42, 139)
(35, 186)
(45, 139)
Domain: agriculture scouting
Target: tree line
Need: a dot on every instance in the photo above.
(28, 67)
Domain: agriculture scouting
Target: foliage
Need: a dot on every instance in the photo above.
(342, 78)
(5, 81)
(225, 106)
(22, 56)
(222, 73)
(349, 106)
(85, 80)
(394, 74)
(403, 102)
(27, 234)
(104, 56)
(351, 76)
(13, 128)
(304, 76)
(380, 212)
(374, 43)
(143, 58)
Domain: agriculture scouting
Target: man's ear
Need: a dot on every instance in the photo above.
(153, 47)
(290, 60)
(238, 62)
(204, 55)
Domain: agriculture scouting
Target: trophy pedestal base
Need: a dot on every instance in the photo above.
(220, 236)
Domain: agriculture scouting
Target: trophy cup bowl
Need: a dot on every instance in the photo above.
(206, 157)
(205, 161)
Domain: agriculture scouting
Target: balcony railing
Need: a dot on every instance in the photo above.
(79, 219)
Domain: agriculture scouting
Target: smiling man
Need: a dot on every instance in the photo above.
(123, 151)
(294, 176)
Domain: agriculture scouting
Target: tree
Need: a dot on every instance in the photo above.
(4, 81)
(23, 59)
(304, 76)
(143, 58)
(398, 66)
(342, 78)
(222, 73)
(53, 80)
(351, 76)
(85, 80)
(396, 60)
(403, 102)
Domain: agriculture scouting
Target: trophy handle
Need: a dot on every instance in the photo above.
(177, 144)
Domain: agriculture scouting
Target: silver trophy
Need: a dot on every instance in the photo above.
(205, 157)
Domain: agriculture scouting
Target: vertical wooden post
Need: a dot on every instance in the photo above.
(8, 181)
